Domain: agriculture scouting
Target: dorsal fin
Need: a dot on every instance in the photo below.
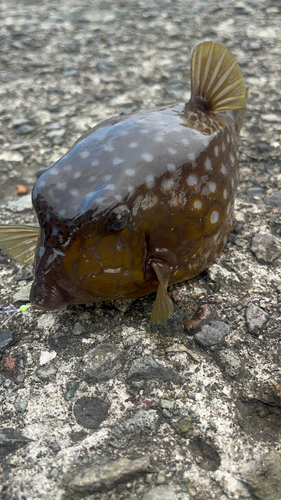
(217, 82)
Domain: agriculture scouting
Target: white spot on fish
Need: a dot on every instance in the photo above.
(197, 204)
(171, 167)
(185, 142)
(124, 133)
(133, 145)
(228, 208)
(112, 271)
(150, 181)
(232, 183)
(95, 163)
(54, 171)
(67, 168)
(118, 197)
(231, 157)
(110, 186)
(84, 154)
(212, 186)
(227, 137)
(117, 161)
(223, 146)
(191, 180)
(61, 185)
(109, 147)
(144, 131)
(224, 240)
(62, 213)
(214, 217)
(167, 184)
(99, 200)
(159, 138)
(74, 193)
(172, 151)
(131, 190)
(223, 169)
(93, 178)
(216, 151)
(147, 157)
(107, 178)
(208, 164)
(225, 194)
(77, 175)
(130, 171)
(191, 157)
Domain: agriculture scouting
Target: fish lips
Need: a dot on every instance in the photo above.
(48, 297)
(53, 289)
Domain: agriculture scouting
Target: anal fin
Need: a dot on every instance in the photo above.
(163, 306)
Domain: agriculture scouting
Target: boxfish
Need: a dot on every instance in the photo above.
(141, 201)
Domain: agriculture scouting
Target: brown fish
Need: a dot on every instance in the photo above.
(140, 202)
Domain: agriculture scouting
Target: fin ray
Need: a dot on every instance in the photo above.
(163, 306)
(19, 241)
(217, 82)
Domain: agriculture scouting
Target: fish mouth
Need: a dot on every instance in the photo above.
(49, 298)
(58, 296)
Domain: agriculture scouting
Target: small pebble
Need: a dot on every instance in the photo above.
(183, 425)
(21, 406)
(212, 334)
(167, 404)
(274, 200)
(5, 339)
(204, 315)
(256, 318)
(266, 247)
(55, 447)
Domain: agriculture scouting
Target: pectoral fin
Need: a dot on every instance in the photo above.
(163, 306)
(19, 241)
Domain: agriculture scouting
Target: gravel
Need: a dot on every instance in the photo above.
(64, 67)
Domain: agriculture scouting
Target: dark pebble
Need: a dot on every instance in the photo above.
(11, 440)
(274, 200)
(256, 318)
(55, 447)
(255, 192)
(5, 339)
(25, 129)
(90, 412)
(263, 147)
(71, 388)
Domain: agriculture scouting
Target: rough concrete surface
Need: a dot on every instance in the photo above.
(64, 66)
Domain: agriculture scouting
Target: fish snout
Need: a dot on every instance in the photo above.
(47, 297)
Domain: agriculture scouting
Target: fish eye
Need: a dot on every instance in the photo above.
(118, 219)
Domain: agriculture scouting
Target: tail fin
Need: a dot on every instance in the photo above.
(217, 82)
(19, 241)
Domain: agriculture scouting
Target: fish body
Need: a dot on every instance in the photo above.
(143, 201)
